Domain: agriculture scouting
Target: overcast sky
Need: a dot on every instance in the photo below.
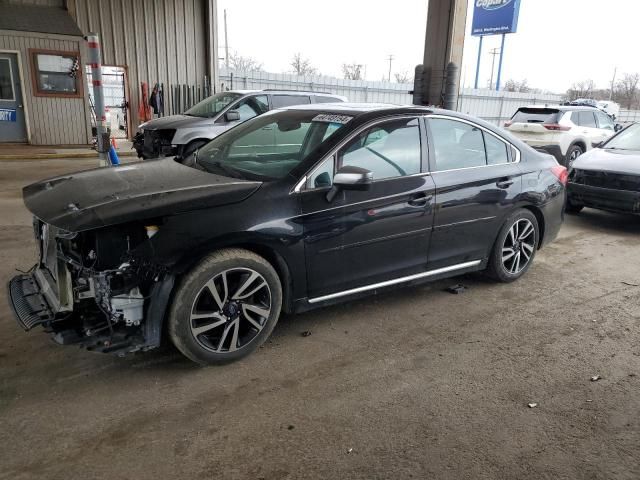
(558, 41)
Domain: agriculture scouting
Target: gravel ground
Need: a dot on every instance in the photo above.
(417, 383)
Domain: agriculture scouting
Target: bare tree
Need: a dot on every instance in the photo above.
(402, 77)
(302, 66)
(582, 89)
(516, 86)
(627, 89)
(352, 71)
(244, 64)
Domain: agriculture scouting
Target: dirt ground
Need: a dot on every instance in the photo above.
(417, 383)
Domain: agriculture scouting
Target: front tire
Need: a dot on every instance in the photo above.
(226, 307)
(515, 247)
(572, 155)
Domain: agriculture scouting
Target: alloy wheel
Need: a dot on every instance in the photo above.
(575, 153)
(230, 310)
(518, 247)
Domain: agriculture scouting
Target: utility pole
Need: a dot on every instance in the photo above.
(613, 83)
(226, 41)
(493, 52)
(390, 58)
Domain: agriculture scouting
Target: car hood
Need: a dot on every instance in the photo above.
(616, 161)
(137, 191)
(175, 122)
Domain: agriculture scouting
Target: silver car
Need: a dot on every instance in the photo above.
(181, 135)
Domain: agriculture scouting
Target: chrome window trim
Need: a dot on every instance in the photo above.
(395, 281)
(298, 187)
(518, 153)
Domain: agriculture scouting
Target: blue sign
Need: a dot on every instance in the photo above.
(7, 115)
(495, 17)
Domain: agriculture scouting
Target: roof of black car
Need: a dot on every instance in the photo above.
(358, 108)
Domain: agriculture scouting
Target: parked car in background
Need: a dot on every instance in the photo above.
(566, 132)
(181, 135)
(584, 102)
(608, 178)
(344, 200)
(610, 108)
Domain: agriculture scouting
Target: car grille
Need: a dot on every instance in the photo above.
(155, 139)
(614, 181)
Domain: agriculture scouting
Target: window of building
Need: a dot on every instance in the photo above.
(6, 82)
(56, 73)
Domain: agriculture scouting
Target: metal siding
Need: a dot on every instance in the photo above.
(41, 3)
(51, 120)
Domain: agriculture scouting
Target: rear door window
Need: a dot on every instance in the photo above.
(281, 101)
(584, 119)
(536, 115)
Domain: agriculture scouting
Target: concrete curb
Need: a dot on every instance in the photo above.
(53, 156)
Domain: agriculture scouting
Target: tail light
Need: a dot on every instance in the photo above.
(508, 123)
(556, 127)
(561, 173)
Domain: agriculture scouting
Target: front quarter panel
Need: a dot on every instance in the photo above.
(207, 131)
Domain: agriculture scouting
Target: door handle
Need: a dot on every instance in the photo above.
(268, 127)
(504, 183)
(420, 200)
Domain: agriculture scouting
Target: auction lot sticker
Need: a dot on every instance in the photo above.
(331, 118)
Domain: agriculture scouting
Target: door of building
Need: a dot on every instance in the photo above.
(12, 123)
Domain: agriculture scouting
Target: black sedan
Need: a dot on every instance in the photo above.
(608, 178)
(295, 209)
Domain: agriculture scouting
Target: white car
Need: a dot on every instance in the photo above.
(566, 132)
(610, 108)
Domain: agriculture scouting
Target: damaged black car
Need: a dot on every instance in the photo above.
(294, 209)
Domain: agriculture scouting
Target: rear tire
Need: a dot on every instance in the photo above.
(226, 307)
(515, 247)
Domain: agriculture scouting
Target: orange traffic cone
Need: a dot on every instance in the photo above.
(113, 142)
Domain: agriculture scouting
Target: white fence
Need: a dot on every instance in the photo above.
(354, 90)
(628, 116)
(494, 107)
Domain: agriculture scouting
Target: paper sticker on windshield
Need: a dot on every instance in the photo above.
(331, 118)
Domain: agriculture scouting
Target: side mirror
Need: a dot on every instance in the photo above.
(618, 127)
(350, 178)
(232, 116)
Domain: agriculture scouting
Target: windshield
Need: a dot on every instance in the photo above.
(628, 139)
(270, 146)
(210, 107)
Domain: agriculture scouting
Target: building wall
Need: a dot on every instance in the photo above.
(52, 121)
(158, 41)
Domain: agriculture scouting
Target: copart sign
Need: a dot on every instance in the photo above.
(495, 17)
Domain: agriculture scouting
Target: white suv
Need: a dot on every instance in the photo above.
(565, 132)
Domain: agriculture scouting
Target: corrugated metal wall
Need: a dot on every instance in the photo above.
(52, 121)
(41, 3)
(159, 41)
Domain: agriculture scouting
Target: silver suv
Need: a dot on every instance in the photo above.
(181, 135)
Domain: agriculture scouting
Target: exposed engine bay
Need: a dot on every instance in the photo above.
(95, 288)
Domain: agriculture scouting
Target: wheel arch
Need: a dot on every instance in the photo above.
(580, 143)
(263, 249)
(541, 222)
